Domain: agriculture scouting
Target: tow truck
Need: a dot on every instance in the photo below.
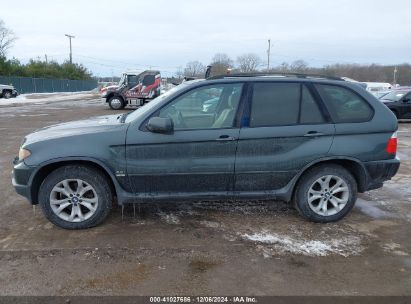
(134, 89)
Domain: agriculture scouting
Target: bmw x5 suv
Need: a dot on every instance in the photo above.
(309, 140)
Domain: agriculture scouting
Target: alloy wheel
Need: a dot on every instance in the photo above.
(328, 195)
(73, 200)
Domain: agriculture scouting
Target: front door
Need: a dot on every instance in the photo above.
(197, 160)
(286, 130)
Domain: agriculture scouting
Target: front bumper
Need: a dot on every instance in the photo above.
(380, 171)
(21, 180)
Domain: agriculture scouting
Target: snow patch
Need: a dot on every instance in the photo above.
(371, 209)
(344, 246)
(394, 248)
(210, 224)
(169, 218)
(41, 98)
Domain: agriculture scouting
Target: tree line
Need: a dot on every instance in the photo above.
(43, 69)
(246, 63)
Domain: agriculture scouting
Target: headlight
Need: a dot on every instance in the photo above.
(23, 154)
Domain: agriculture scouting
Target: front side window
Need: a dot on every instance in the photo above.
(132, 80)
(207, 107)
(344, 105)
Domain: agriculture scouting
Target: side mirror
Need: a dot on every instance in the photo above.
(160, 125)
(406, 99)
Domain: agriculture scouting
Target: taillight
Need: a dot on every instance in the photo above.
(392, 144)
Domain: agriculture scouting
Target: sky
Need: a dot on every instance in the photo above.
(113, 36)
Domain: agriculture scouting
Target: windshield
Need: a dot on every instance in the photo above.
(153, 103)
(394, 96)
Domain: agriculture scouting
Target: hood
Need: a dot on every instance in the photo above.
(109, 88)
(73, 128)
(112, 88)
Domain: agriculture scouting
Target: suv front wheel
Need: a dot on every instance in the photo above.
(325, 194)
(75, 197)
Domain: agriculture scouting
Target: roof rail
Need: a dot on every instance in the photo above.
(275, 74)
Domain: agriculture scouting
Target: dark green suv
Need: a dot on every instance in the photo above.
(309, 140)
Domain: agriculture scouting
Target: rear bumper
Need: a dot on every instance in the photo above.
(380, 171)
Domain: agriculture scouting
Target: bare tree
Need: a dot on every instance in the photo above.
(179, 73)
(248, 62)
(7, 38)
(221, 63)
(299, 66)
(194, 69)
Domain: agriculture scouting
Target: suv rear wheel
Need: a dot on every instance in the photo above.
(116, 103)
(325, 194)
(75, 197)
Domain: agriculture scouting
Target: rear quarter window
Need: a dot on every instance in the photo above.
(344, 105)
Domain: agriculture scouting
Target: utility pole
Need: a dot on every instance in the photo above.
(268, 54)
(45, 57)
(395, 75)
(71, 53)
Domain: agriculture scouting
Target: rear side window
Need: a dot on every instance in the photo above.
(344, 105)
(149, 80)
(280, 104)
(275, 104)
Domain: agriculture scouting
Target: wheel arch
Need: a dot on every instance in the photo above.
(354, 166)
(6, 90)
(39, 176)
(112, 94)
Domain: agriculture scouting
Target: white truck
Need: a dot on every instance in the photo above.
(7, 91)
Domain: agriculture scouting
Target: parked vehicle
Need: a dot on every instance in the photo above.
(375, 87)
(381, 94)
(8, 91)
(312, 141)
(399, 102)
(133, 89)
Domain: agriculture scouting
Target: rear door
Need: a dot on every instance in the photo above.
(285, 129)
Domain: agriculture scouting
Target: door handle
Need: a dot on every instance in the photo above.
(313, 134)
(225, 138)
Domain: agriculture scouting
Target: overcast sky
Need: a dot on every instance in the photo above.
(112, 36)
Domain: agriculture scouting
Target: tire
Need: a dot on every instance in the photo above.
(116, 103)
(329, 206)
(6, 94)
(95, 204)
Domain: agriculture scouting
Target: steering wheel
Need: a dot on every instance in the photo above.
(177, 117)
